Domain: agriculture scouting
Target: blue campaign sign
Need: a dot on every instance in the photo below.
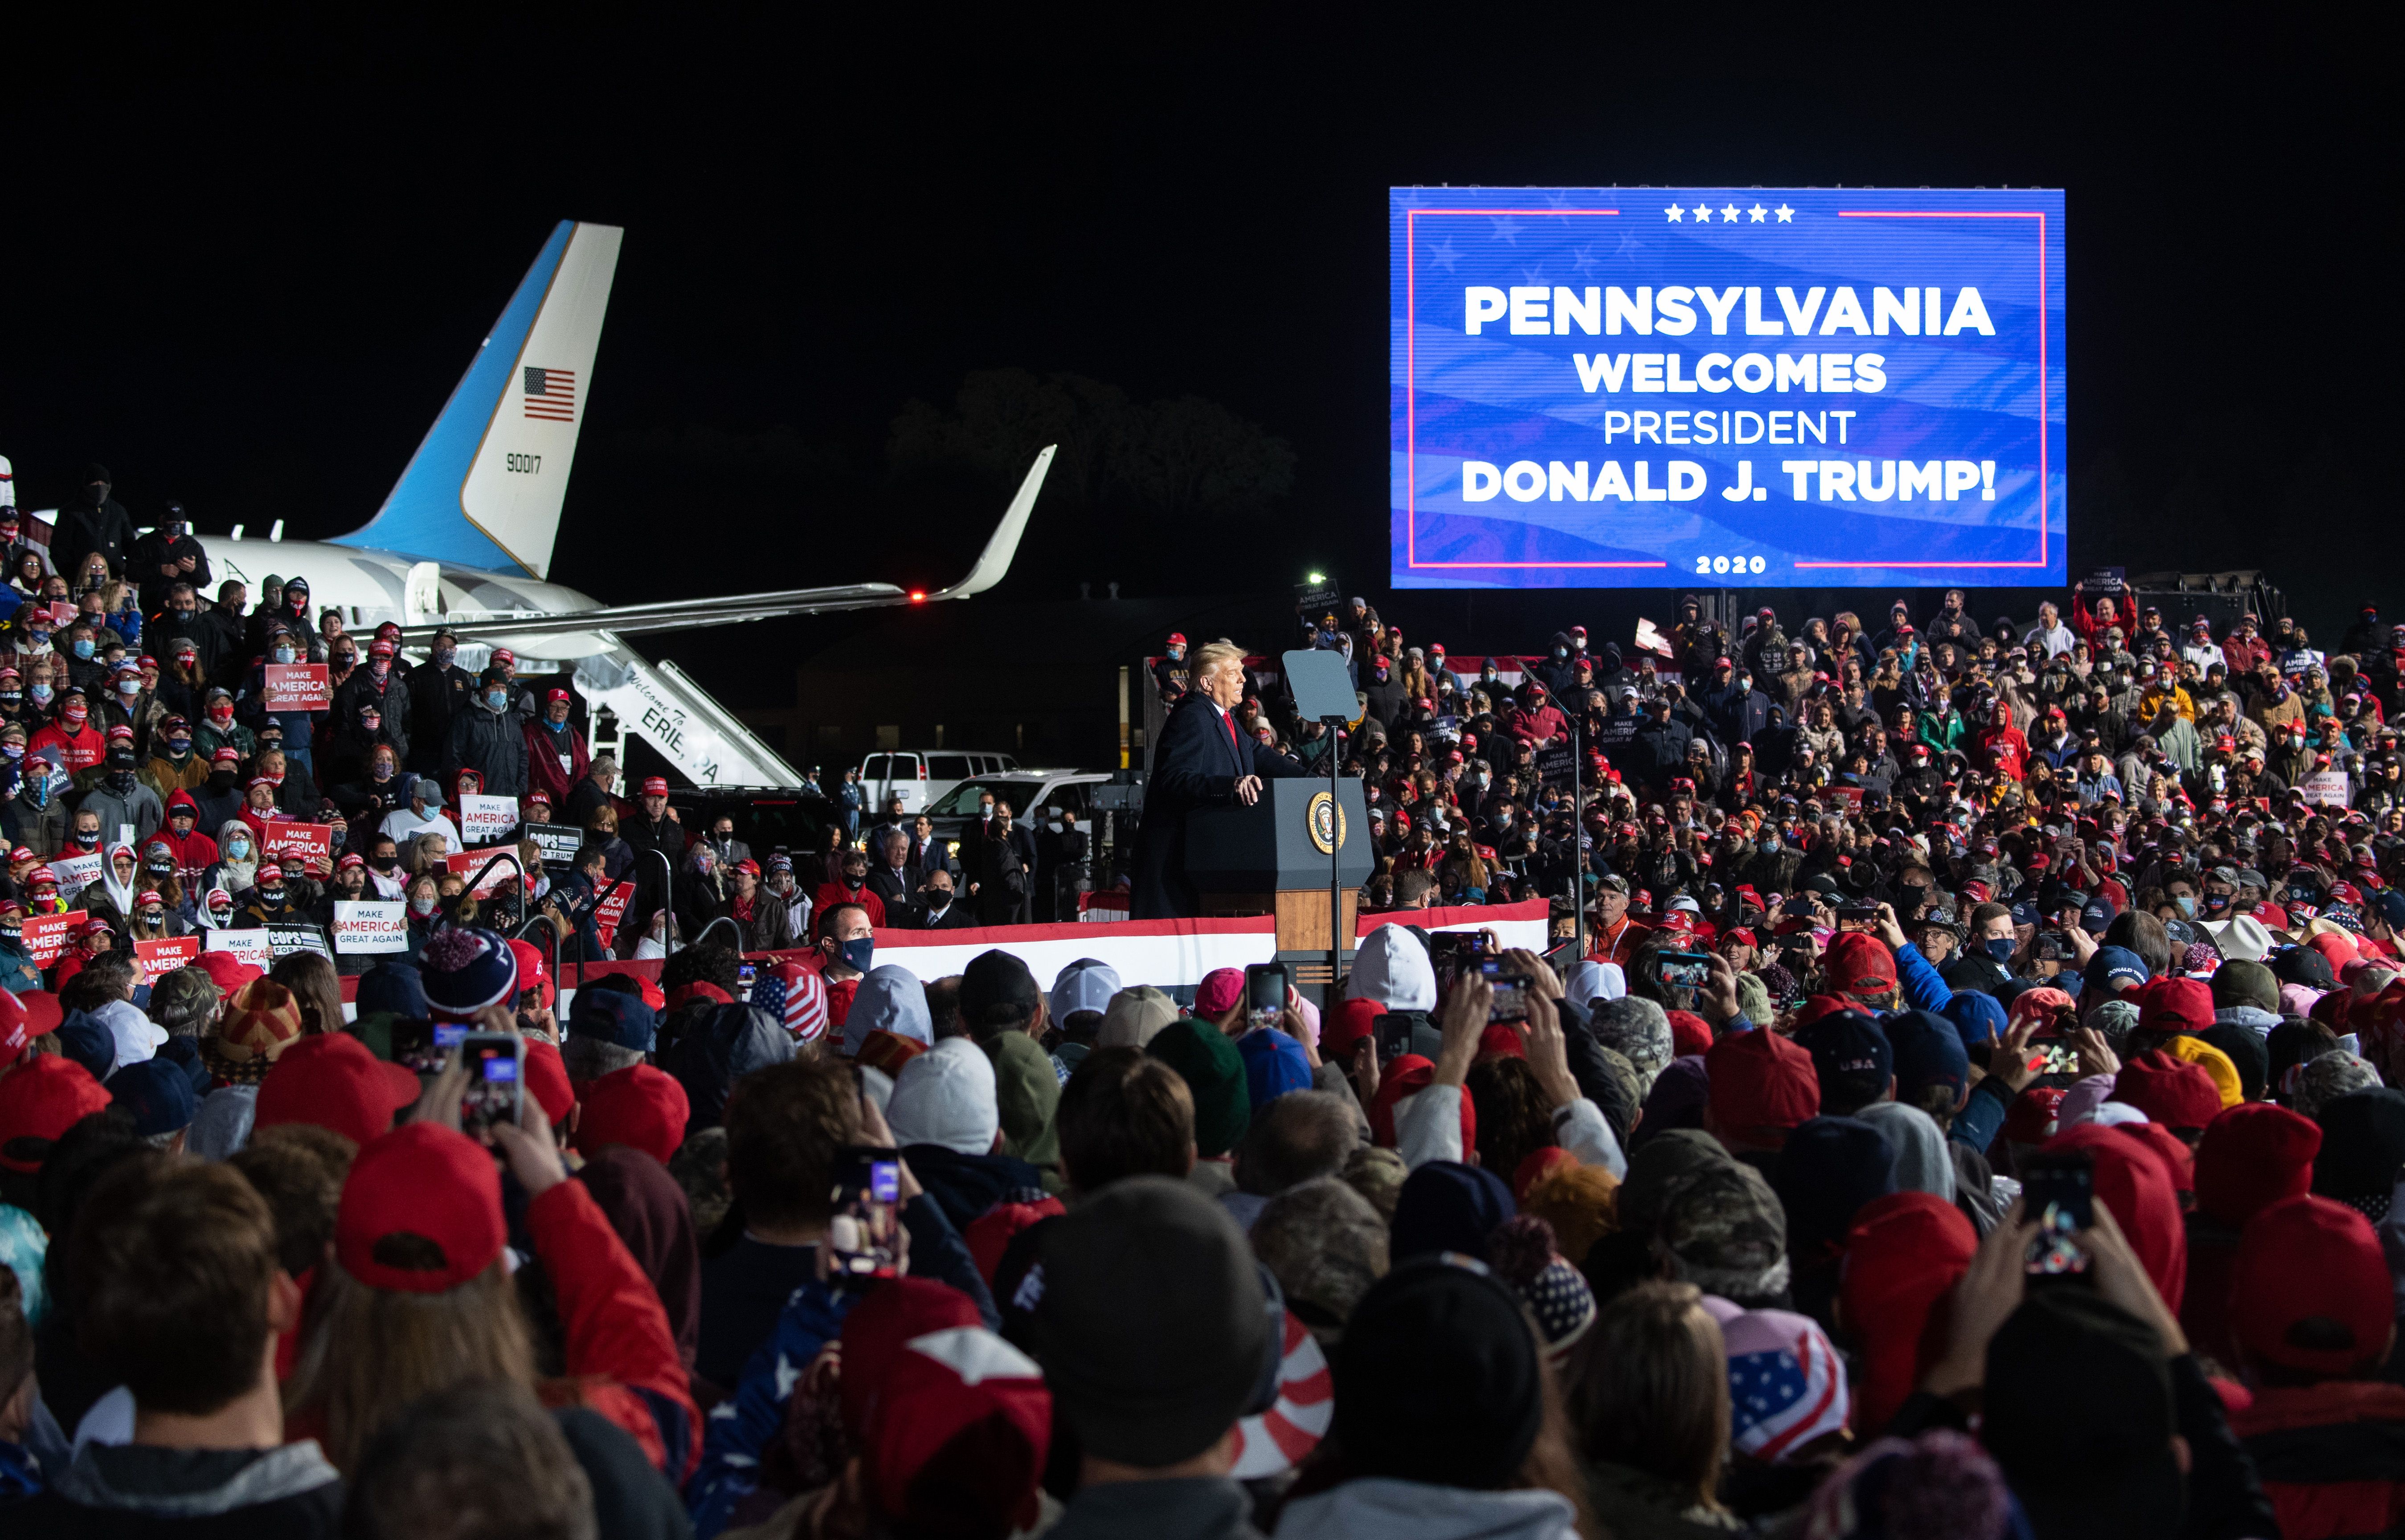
(1657, 387)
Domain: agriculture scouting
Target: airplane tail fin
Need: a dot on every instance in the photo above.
(484, 488)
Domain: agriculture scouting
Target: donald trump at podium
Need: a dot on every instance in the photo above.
(1204, 759)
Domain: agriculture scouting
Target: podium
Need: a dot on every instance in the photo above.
(1273, 859)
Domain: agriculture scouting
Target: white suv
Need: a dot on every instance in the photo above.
(922, 774)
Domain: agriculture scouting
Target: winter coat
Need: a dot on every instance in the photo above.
(435, 696)
(491, 744)
(2327, 1455)
(138, 804)
(544, 771)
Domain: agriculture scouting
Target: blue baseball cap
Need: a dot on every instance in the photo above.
(1928, 1052)
(614, 1016)
(1977, 1017)
(159, 1094)
(1851, 1057)
(2114, 968)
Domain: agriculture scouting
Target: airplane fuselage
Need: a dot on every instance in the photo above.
(371, 587)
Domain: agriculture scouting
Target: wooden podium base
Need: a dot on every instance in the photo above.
(1301, 915)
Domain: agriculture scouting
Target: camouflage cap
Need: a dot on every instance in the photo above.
(1725, 1232)
(2322, 1080)
(1326, 1245)
(1638, 1030)
(1660, 1163)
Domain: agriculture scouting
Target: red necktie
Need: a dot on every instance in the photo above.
(1233, 742)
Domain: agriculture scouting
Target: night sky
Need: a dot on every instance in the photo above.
(246, 267)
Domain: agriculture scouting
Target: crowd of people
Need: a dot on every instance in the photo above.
(1944, 1133)
(1725, 758)
(818, 1248)
(137, 727)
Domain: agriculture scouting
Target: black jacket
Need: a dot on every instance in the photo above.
(83, 529)
(1196, 764)
(392, 700)
(154, 551)
(492, 744)
(435, 694)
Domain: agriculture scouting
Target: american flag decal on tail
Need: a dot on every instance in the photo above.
(551, 394)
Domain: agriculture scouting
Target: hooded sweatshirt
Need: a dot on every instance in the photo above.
(233, 875)
(1393, 968)
(890, 999)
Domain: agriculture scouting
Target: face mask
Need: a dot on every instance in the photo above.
(221, 715)
(939, 900)
(83, 649)
(88, 838)
(859, 951)
(497, 698)
(852, 882)
(11, 699)
(383, 864)
(271, 895)
(2000, 948)
(154, 917)
(237, 848)
(441, 656)
(2187, 902)
(129, 688)
(97, 494)
(40, 695)
(371, 724)
(421, 908)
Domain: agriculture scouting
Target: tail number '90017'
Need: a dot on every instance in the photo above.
(525, 464)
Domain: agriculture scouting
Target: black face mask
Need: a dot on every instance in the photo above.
(221, 780)
(383, 864)
(852, 882)
(271, 896)
(90, 840)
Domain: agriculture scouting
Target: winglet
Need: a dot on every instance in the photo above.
(994, 561)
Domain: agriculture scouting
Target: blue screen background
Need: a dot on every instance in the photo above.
(1502, 399)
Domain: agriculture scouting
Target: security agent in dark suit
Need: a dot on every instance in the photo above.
(1204, 759)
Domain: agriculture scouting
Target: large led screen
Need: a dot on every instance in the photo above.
(1770, 387)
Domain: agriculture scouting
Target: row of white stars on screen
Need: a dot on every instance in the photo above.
(1703, 212)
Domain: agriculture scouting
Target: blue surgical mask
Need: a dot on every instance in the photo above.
(83, 646)
(237, 848)
(41, 694)
(497, 698)
(859, 951)
(2187, 902)
(284, 654)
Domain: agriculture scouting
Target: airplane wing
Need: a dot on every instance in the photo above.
(729, 610)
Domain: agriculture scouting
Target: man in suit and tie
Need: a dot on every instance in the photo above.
(1204, 759)
(890, 876)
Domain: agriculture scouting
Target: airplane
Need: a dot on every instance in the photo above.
(464, 539)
